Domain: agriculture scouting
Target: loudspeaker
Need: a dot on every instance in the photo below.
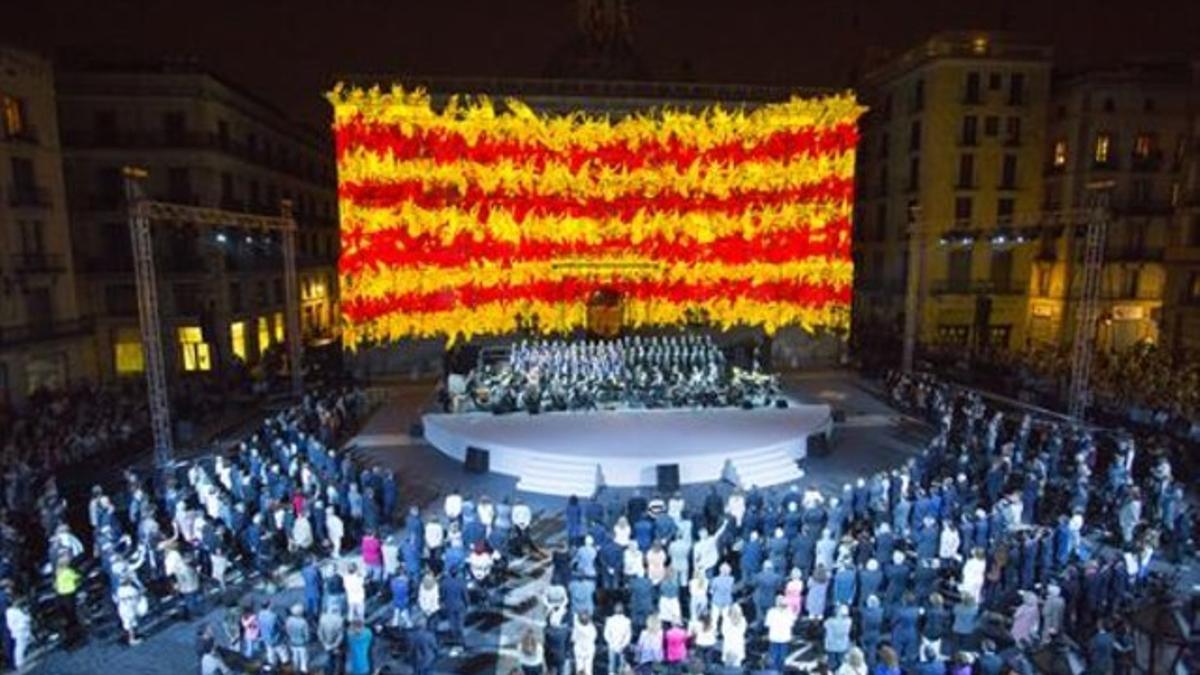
(839, 416)
(668, 478)
(819, 446)
(781, 403)
(416, 430)
(477, 460)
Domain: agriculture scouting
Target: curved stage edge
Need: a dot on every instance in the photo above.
(575, 453)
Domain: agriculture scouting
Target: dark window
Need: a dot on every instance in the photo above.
(1148, 105)
(1016, 89)
(179, 185)
(235, 297)
(919, 95)
(1002, 267)
(252, 144)
(277, 286)
(970, 129)
(1110, 105)
(226, 187)
(1194, 232)
(914, 136)
(966, 170)
(1141, 192)
(995, 81)
(991, 126)
(223, 133)
(116, 244)
(174, 127)
(109, 187)
(1004, 210)
(884, 142)
(883, 180)
(962, 210)
(1012, 131)
(887, 107)
(914, 173)
(104, 125)
(881, 222)
(972, 88)
(23, 182)
(120, 299)
(1008, 172)
(959, 267)
(255, 194)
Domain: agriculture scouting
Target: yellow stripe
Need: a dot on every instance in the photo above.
(714, 126)
(448, 223)
(375, 284)
(501, 317)
(595, 180)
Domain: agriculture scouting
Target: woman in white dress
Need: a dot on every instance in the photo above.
(973, 571)
(129, 600)
(733, 637)
(583, 637)
(429, 597)
(622, 532)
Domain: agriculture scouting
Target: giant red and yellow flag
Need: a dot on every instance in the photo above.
(464, 220)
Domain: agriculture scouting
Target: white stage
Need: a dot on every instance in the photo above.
(566, 453)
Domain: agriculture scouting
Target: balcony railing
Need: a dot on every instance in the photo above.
(27, 134)
(39, 262)
(978, 287)
(23, 196)
(43, 330)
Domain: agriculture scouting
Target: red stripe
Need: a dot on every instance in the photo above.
(396, 248)
(572, 289)
(390, 195)
(445, 147)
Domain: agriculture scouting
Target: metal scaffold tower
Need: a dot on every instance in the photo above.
(1084, 346)
(143, 215)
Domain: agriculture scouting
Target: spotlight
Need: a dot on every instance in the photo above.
(221, 238)
(249, 239)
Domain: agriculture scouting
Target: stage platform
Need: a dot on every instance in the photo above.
(575, 453)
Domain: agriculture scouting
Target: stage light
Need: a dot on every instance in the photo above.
(249, 239)
(221, 238)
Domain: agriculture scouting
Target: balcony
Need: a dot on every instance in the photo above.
(43, 330)
(1149, 163)
(28, 196)
(39, 263)
(1135, 253)
(977, 287)
(27, 134)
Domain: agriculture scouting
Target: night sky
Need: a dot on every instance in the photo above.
(289, 51)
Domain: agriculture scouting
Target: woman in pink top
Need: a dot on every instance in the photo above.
(676, 644)
(372, 555)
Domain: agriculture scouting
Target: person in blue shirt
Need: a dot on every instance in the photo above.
(870, 579)
(454, 604)
(311, 573)
(989, 662)
(905, 639)
(574, 520)
(751, 558)
(401, 596)
(871, 627)
(844, 583)
(358, 649)
(641, 599)
(584, 561)
(766, 587)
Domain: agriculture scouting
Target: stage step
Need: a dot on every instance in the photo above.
(560, 476)
(774, 468)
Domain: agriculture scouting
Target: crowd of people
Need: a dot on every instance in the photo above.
(633, 371)
(1003, 537)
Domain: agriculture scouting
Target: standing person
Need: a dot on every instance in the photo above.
(311, 573)
(401, 596)
(837, 635)
(583, 639)
(271, 633)
(454, 605)
(296, 628)
(424, 648)
(779, 631)
(650, 643)
(331, 632)
(335, 527)
(855, 663)
(618, 632)
(20, 627)
(129, 599)
(66, 585)
(733, 637)
(356, 592)
(531, 656)
(211, 663)
(372, 556)
(187, 582)
(676, 645)
(358, 649)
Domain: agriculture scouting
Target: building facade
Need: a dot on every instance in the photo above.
(1127, 128)
(1181, 302)
(203, 142)
(951, 158)
(44, 329)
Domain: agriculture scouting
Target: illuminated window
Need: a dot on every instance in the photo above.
(194, 349)
(237, 339)
(264, 334)
(1060, 153)
(128, 357)
(980, 44)
(1103, 145)
(14, 116)
(279, 326)
(1143, 145)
